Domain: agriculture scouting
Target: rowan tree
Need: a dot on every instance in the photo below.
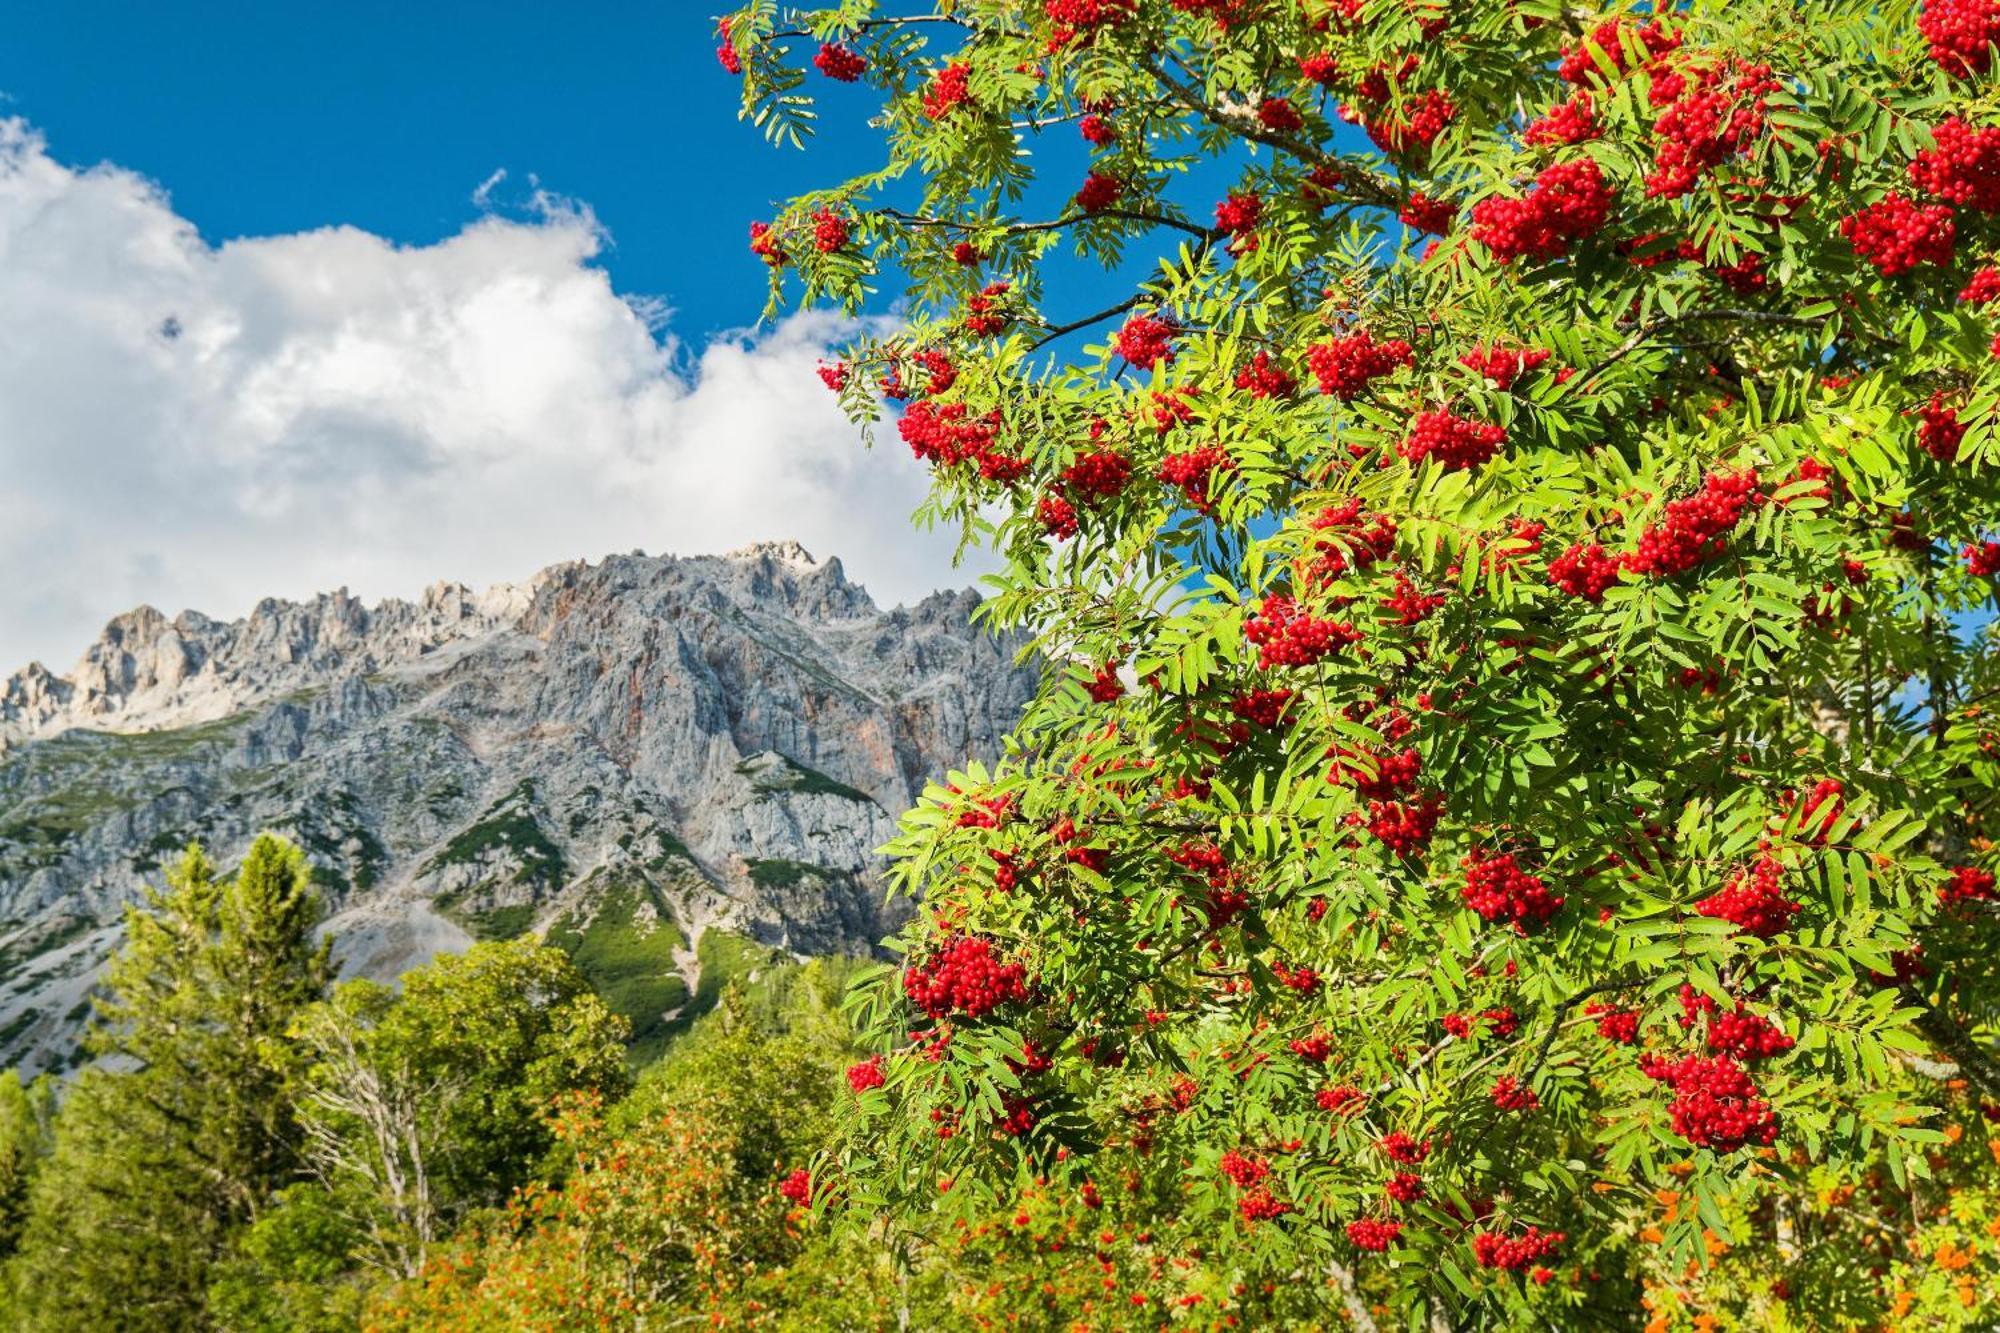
(1505, 498)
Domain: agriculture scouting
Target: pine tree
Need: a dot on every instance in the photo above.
(180, 1134)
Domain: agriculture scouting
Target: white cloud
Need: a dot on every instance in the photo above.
(197, 426)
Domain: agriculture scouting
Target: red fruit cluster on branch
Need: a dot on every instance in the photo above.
(1104, 687)
(1373, 1234)
(1089, 13)
(1960, 33)
(965, 976)
(1375, 776)
(1740, 1033)
(1099, 192)
(1405, 827)
(1057, 517)
(839, 63)
(1819, 810)
(1097, 477)
(1352, 536)
(1193, 470)
(1278, 113)
(1696, 528)
(1404, 1188)
(1502, 367)
(764, 244)
(1981, 288)
(1510, 1094)
(1423, 213)
(1570, 122)
(1097, 131)
(797, 1186)
(1939, 430)
(1568, 202)
(1409, 131)
(1713, 112)
(1239, 214)
(1146, 341)
(1754, 900)
(725, 54)
(1715, 1105)
(1407, 605)
(865, 1075)
(1967, 884)
(1963, 168)
(1339, 1100)
(1263, 708)
(830, 232)
(1456, 442)
(1614, 1023)
(1504, 894)
(1263, 377)
(949, 435)
(1585, 570)
(983, 314)
(1896, 234)
(1982, 559)
(1400, 1147)
(1243, 1171)
(1511, 1254)
(1606, 44)
(1289, 637)
(1345, 367)
(949, 89)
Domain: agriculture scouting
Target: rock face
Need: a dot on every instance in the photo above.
(630, 757)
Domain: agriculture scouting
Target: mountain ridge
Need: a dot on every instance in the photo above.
(669, 754)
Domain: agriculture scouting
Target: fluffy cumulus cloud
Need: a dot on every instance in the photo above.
(200, 426)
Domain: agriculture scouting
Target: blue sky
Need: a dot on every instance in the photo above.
(262, 119)
(263, 339)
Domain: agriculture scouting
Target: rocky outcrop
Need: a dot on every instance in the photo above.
(709, 742)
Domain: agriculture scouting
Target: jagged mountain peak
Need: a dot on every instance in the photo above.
(707, 742)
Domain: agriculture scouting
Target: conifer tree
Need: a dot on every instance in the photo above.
(182, 1131)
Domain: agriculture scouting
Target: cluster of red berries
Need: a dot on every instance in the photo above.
(1400, 1147)
(1423, 213)
(1573, 121)
(1089, 13)
(1613, 1022)
(1239, 213)
(1289, 637)
(1896, 234)
(1193, 470)
(1146, 341)
(725, 54)
(1375, 776)
(1263, 708)
(1511, 1254)
(1263, 377)
(764, 244)
(1820, 810)
(949, 89)
(839, 63)
(797, 1186)
(1345, 367)
(1740, 1033)
(1409, 131)
(1606, 45)
(830, 232)
(1504, 894)
(1982, 559)
(1502, 367)
(1404, 1188)
(1712, 114)
(1967, 884)
(1585, 570)
(1350, 535)
(865, 1075)
(1696, 527)
(1715, 1105)
(1099, 191)
(1510, 1094)
(1456, 442)
(965, 976)
(1981, 288)
(1339, 1100)
(1960, 33)
(949, 435)
(1243, 1171)
(1057, 517)
(1405, 827)
(984, 316)
(1408, 605)
(1098, 476)
(1963, 168)
(1501, 1022)
(1753, 901)
(1278, 113)
(1373, 1234)
(1097, 130)
(1939, 431)
(1568, 202)
(1104, 687)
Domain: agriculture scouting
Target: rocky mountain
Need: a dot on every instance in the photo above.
(672, 767)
